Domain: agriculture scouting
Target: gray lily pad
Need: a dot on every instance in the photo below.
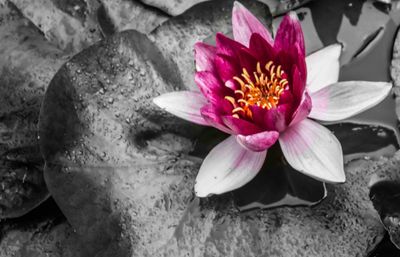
(126, 14)
(27, 63)
(172, 7)
(99, 131)
(395, 72)
(278, 7)
(386, 198)
(69, 26)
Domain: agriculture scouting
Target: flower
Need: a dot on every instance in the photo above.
(262, 91)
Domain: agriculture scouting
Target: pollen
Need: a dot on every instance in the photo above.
(262, 88)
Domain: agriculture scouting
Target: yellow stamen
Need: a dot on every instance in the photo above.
(259, 68)
(231, 100)
(262, 89)
(238, 109)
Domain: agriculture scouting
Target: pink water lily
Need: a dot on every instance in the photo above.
(262, 91)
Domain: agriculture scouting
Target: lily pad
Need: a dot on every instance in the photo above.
(27, 63)
(386, 198)
(126, 14)
(70, 32)
(172, 7)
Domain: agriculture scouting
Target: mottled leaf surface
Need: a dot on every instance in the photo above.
(27, 63)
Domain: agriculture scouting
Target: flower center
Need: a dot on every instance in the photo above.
(263, 89)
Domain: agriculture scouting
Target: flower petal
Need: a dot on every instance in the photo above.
(240, 126)
(226, 66)
(278, 118)
(184, 104)
(227, 167)
(345, 99)
(213, 118)
(313, 150)
(290, 33)
(261, 48)
(258, 142)
(244, 24)
(303, 110)
(227, 46)
(291, 58)
(323, 67)
(298, 86)
(211, 87)
(204, 56)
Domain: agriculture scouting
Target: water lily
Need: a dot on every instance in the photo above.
(263, 91)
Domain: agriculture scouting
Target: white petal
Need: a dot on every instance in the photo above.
(345, 99)
(313, 150)
(323, 67)
(227, 167)
(184, 104)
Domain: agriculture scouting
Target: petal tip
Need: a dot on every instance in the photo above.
(158, 101)
(237, 5)
(201, 192)
(293, 16)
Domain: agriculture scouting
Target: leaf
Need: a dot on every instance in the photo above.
(70, 33)
(172, 7)
(27, 63)
(126, 14)
(279, 7)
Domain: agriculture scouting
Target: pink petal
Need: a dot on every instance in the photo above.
(345, 99)
(227, 167)
(286, 97)
(227, 46)
(303, 110)
(244, 24)
(211, 87)
(290, 33)
(258, 142)
(213, 118)
(277, 118)
(247, 60)
(184, 104)
(204, 56)
(293, 57)
(323, 67)
(240, 126)
(313, 150)
(227, 67)
(298, 86)
(261, 48)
